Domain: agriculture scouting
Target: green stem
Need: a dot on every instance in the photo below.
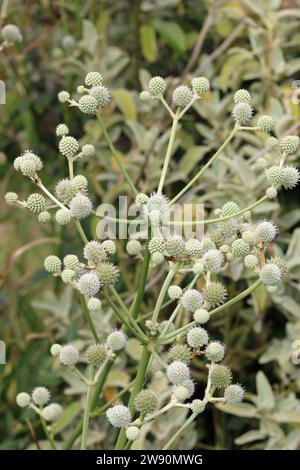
(86, 417)
(80, 231)
(168, 153)
(136, 305)
(88, 319)
(48, 435)
(162, 293)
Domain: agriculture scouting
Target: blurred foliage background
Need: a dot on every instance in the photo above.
(236, 44)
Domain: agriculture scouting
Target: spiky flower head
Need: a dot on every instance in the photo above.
(23, 399)
(52, 412)
(116, 340)
(270, 274)
(40, 396)
(197, 337)
(156, 244)
(234, 394)
(198, 406)
(11, 33)
(79, 183)
(182, 96)
(194, 247)
(89, 284)
(55, 348)
(271, 192)
(229, 209)
(52, 264)
(61, 130)
(71, 262)
(213, 260)
(94, 304)
(180, 352)
(101, 94)
(220, 376)
(63, 216)
(68, 146)
(261, 163)
(215, 294)
(88, 151)
(242, 112)
(63, 96)
(11, 198)
(175, 292)
(133, 247)
(44, 217)
(157, 205)
(198, 268)
(141, 199)
(251, 261)
(64, 191)
(206, 244)
(290, 177)
(119, 416)
(191, 300)
(175, 246)
(157, 258)
(215, 351)
(180, 393)
(94, 252)
(93, 79)
(242, 96)
(35, 203)
(274, 175)
(28, 163)
(200, 85)
(289, 144)
(108, 274)
(88, 104)
(266, 231)
(265, 123)
(80, 206)
(109, 247)
(249, 237)
(146, 402)
(157, 86)
(132, 433)
(201, 316)
(68, 355)
(240, 248)
(178, 372)
(145, 95)
(96, 354)
(67, 275)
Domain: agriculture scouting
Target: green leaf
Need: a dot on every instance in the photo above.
(191, 157)
(172, 34)
(134, 349)
(148, 43)
(245, 172)
(67, 417)
(250, 436)
(265, 396)
(244, 410)
(126, 103)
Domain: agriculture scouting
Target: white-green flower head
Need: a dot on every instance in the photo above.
(110, 247)
(242, 113)
(197, 337)
(96, 354)
(68, 355)
(88, 104)
(157, 204)
(200, 85)
(156, 244)
(157, 258)
(64, 191)
(191, 300)
(68, 42)
(119, 416)
(11, 198)
(68, 146)
(189, 385)
(141, 199)
(23, 399)
(116, 340)
(28, 163)
(94, 304)
(52, 412)
(89, 284)
(52, 264)
(63, 96)
(67, 275)
(230, 208)
(249, 237)
(61, 130)
(88, 151)
(194, 247)
(220, 376)
(228, 229)
(215, 351)
(180, 352)
(145, 95)
(178, 372)
(35, 203)
(234, 394)
(175, 292)
(261, 163)
(44, 217)
(180, 393)
(182, 96)
(240, 248)
(242, 96)
(266, 231)
(79, 183)
(280, 263)
(11, 33)
(289, 144)
(271, 192)
(40, 396)
(55, 349)
(287, 176)
(251, 261)
(94, 252)
(81, 89)
(101, 94)
(80, 206)
(175, 246)
(270, 274)
(146, 402)
(133, 247)
(198, 268)
(206, 244)
(157, 86)
(63, 216)
(201, 316)
(93, 79)
(198, 406)
(132, 433)
(265, 123)
(71, 262)
(213, 260)
(215, 294)
(108, 274)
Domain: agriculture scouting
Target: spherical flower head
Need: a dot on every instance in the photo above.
(88, 151)
(11, 33)
(145, 95)
(108, 274)
(180, 393)
(109, 246)
(198, 268)
(182, 96)
(242, 113)
(271, 192)
(194, 248)
(156, 244)
(198, 406)
(94, 304)
(68, 146)
(215, 294)
(67, 275)
(234, 394)
(240, 248)
(52, 412)
(81, 206)
(272, 289)
(197, 337)
(63, 96)
(23, 399)
(261, 163)
(266, 231)
(40, 396)
(116, 340)
(79, 183)
(63, 216)
(96, 354)
(157, 258)
(94, 252)
(93, 79)
(146, 402)
(215, 351)
(200, 85)
(213, 260)
(270, 274)
(101, 94)
(251, 261)
(132, 433)
(52, 264)
(191, 300)
(157, 204)
(265, 123)
(157, 86)
(180, 352)
(178, 372)
(242, 96)
(229, 209)
(55, 349)
(11, 198)
(35, 203)
(89, 284)
(119, 416)
(133, 247)
(44, 217)
(290, 177)
(68, 355)
(249, 237)
(64, 191)
(88, 104)
(274, 175)
(27, 167)
(289, 144)
(71, 262)
(61, 130)
(201, 316)
(220, 376)
(189, 386)
(141, 199)
(175, 292)
(175, 246)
